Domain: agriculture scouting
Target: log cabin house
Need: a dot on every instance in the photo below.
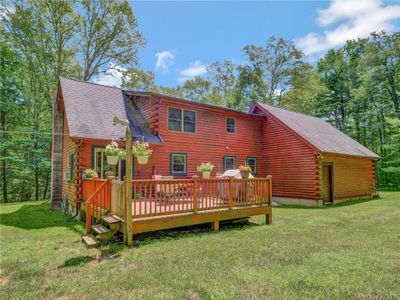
(311, 162)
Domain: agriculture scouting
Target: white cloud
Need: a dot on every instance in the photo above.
(195, 69)
(112, 77)
(165, 60)
(353, 18)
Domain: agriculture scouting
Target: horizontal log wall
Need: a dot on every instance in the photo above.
(211, 142)
(353, 176)
(291, 162)
(68, 147)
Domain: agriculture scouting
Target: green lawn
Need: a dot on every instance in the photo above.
(348, 251)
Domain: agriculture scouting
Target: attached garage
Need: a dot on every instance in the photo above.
(312, 162)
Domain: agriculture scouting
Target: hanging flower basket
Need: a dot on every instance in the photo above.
(142, 152)
(142, 160)
(112, 160)
(113, 153)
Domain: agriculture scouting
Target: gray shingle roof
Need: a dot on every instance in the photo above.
(319, 133)
(90, 109)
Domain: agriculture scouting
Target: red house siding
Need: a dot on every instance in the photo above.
(290, 161)
(68, 148)
(211, 142)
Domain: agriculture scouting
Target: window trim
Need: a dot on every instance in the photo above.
(229, 156)
(226, 125)
(254, 172)
(182, 120)
(171, 170)
(71, 167)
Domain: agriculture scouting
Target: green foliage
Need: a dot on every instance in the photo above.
(205, 167)
(40, 40)
(141, 149)
(356, 88)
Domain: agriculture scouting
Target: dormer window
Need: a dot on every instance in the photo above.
(181, 120)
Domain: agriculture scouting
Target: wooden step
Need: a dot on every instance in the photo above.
(103, 233)
(99, 229)
(110, 219)
(91, 241)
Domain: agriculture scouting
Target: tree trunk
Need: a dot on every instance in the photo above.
(46, 185)
(4, 179)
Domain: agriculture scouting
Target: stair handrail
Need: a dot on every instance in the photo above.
(89, 205)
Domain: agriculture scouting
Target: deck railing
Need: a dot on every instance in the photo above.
(178, 196)
(99, 203)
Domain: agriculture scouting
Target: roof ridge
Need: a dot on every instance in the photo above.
(94, 83)
(296, 112)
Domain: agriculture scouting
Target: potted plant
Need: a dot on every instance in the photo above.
(245, 171)
(113, 153)
(142, 152)
(89, 173)
(205, 169)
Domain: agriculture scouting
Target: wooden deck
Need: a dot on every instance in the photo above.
(163, 204)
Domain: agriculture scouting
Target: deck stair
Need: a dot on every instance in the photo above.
(103, 231)
(91, 241)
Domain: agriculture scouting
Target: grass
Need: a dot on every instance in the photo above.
(349, 251)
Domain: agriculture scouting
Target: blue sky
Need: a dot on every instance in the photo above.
(183, 37)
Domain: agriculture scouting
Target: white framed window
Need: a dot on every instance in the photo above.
(181, 120)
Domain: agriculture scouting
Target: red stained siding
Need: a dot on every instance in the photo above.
(68, 147)
(211, 142)
(290, 161)
(294, 164)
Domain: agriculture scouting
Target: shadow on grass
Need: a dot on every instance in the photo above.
(36, 216)
(189, 231)
(341, 204)
(77, 261)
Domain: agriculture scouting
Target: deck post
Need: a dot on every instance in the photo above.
(215, 226)
(128, 188)
(269, 177)
(268, 218)
(230, 192)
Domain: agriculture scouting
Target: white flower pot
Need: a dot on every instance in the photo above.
(206, 175)
(142, 160)
(112, 160)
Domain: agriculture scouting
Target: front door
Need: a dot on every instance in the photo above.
(327, 182)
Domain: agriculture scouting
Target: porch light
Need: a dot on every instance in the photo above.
(120, 121)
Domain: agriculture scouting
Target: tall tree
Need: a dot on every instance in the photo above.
(269, 69)
(109, 36)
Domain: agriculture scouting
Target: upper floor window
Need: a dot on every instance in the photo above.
(230, 125)
(181, 120)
